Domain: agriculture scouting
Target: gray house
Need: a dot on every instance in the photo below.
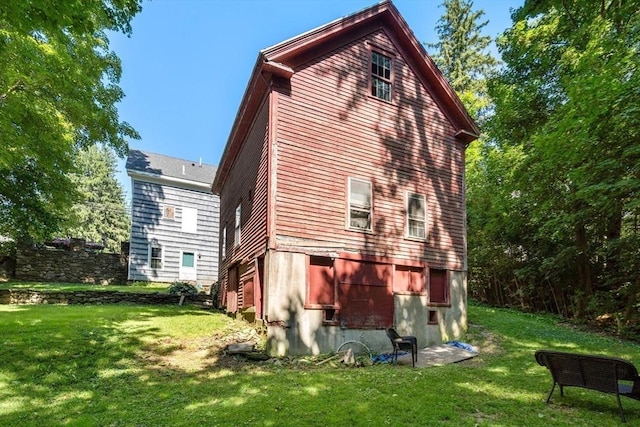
(174, 220)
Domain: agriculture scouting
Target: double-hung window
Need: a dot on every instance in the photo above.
(224, 241)
(238, 225)
(416, 216)
(155, 256)
(359, 204)
(380, 76)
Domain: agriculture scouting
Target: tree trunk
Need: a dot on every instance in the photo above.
(584, 271)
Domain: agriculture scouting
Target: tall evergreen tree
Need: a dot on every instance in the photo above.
(461, 53)
(101, 214)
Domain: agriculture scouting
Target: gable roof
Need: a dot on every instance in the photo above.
(281, 59)
(153, 166)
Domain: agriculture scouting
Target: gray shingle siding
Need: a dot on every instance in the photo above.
(151, 192)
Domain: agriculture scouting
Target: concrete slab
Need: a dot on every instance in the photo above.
(437, 355)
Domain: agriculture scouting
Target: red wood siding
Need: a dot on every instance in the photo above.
(330, 129)
(247, 184)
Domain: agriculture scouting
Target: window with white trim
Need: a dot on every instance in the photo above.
(416, 216)
(238, 225)
(223, 249)
(360, 208)
(155, 256)
(380, 76)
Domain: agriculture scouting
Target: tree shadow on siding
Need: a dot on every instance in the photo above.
(420, 154)
(146, 213)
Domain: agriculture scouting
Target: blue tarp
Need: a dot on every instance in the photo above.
(385, 357)
(463, 346)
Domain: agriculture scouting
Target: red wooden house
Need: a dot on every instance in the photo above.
(342, 190)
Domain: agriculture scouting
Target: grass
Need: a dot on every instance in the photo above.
(136, 287)
(127, 365)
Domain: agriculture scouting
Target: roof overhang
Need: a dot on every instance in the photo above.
(282, 59)
(169, 180)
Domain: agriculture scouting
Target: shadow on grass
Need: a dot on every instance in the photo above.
(102, 365)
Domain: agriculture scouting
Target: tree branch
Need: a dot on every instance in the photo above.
(571, 18)
(16, 87)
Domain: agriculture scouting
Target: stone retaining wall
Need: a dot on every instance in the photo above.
(27, 296)
(57, 265)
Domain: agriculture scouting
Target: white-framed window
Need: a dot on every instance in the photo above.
(380, 76)
(189, 220)
(416, 216)
(156, 256)
(168, 212)
(360, 206)
(238, 225)
(223, 249)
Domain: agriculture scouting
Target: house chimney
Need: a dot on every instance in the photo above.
(200, 161)
(183, 170)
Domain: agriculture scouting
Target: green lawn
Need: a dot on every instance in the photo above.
(47, 286)
(124, 365)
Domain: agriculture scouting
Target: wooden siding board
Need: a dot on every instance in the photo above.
(329, 129)
(247, 184)
(147, 202)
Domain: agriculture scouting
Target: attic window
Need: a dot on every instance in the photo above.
(381, 76)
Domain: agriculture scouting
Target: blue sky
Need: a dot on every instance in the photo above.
(187, 63)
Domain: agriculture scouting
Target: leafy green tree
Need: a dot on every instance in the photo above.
(567, 100)
(101, 214)
(58, 95)
(461, 53)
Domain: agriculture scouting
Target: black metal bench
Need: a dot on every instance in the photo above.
(605, 374)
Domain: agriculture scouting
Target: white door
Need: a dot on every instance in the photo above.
(188, 267)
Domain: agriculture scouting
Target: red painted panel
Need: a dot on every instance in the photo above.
(409, 279)
(365, 307)
(365, 296)
(438, 286)
(321, 290)
(364, 273)
(248, 293)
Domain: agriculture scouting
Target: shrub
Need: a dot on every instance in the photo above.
(182, 288)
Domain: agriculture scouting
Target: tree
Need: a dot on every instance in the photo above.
(58, 95)
(461, 53)
(567, 99)
(101, 215)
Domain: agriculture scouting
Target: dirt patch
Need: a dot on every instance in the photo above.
(486, 343)
(193, 355)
